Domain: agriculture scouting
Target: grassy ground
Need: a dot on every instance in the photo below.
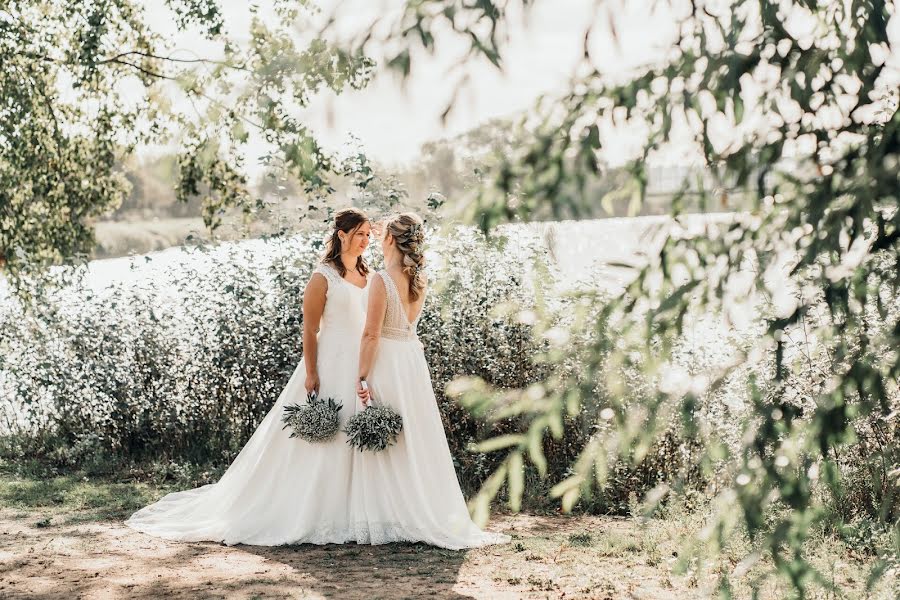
(121, 238)
(62, 537)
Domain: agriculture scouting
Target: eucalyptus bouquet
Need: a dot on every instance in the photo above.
(375, 428)
(315, 421)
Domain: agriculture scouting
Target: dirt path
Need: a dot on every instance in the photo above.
(550, 557)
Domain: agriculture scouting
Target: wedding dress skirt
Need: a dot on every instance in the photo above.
(282, 490)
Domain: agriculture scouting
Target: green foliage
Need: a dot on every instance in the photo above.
(807, 127)
(85, 83)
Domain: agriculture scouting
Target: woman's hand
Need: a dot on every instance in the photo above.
(312, 383)
(363, 393)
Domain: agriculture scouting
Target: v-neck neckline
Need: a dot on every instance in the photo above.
(348, 282)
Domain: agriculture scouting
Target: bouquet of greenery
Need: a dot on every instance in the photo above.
(375, 428)
(315, 421)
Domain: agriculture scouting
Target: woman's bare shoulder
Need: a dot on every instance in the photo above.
(376, 281)
(317, 282)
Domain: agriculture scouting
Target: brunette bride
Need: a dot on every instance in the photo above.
(282, 490)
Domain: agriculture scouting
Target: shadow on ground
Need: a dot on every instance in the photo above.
(106, 559)
(389, 570)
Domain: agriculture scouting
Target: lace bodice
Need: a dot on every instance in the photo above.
(396, 325)
(345, 303)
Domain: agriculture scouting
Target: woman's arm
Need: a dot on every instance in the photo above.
(313, 307)
(372, 331)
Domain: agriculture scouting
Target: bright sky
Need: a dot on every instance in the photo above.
(392, 121)
(543, 50)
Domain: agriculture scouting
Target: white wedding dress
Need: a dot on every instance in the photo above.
(283, 490)
(409, 491)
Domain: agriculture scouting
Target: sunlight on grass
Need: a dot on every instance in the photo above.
(94, 500)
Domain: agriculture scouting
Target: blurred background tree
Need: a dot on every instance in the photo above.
(85, 83)
(791, 104)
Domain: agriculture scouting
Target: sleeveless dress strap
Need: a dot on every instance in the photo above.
(392, 293)
(330, 273)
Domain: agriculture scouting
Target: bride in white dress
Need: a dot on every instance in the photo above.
(283, 490)
(409, 491)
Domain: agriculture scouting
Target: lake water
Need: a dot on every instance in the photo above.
(583, 252)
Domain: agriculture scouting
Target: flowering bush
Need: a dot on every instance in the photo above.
(184, 365)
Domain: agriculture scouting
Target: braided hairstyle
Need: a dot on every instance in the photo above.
(347, 220)
(408, 231)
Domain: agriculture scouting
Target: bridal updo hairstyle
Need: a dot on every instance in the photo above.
(348, 220)
(408, 231)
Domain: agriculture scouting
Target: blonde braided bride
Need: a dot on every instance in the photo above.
(411, 492)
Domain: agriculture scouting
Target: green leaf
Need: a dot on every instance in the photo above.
(535, 448)
(498, 443)
(565, 485)
(516, 480)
